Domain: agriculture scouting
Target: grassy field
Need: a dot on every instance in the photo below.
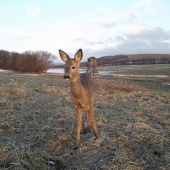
(158, 69)
(38, 123)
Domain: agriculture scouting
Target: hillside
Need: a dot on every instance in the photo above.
(132, 59)
(129, 59)
(141, 56)
(107, 60)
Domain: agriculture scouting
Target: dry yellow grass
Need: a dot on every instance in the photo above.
(61, 120)
(4, 124)
(20, 91)
(14, 88)
(58, 149)
(2, 154)
(51, 89)
(62, 138)
(119, 85)
(51, 144)
(142, 126)
(132, 120)
(4, 94)
(134, 113)
(4, 101)
(44, 85)
(15, 84)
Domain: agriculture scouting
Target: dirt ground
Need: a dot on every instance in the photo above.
(38, 124)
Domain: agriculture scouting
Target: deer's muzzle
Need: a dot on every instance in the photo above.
(66, 77)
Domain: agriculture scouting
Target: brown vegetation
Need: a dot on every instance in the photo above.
(29, 61)
(119, 85)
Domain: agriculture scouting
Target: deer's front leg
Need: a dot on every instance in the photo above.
(79, 117)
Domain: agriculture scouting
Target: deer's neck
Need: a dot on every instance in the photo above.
(76, 87)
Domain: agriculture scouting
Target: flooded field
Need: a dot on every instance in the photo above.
(130, 70)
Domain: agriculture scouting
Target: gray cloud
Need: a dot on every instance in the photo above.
(119, 38)
(156, 33)
(78, 40)
(132, 43)
(137, 46)
(128, 46)
(147, 40)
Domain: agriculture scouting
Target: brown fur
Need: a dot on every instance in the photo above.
(82, 90)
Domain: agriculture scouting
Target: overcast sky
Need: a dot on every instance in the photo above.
(98, 27)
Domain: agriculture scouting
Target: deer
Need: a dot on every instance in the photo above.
(82, 91)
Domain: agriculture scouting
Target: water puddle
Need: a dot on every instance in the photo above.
(25, 74)
(166, 83)
(1, 70)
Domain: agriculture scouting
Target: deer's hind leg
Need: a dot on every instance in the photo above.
(85, 130)
(92, 121)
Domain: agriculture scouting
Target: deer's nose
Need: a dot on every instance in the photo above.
(66, 77)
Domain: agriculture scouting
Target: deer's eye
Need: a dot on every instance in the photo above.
(73, 67)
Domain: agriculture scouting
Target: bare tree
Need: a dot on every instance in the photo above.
(35, 62)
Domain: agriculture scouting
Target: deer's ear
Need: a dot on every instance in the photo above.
(63, 55)
(78, 56)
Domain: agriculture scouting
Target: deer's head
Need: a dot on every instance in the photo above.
(71, 67)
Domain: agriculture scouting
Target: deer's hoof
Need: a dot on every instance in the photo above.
(76, 148)
(85, 130)
(96, 136)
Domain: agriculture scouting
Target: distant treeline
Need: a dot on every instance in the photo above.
(141, 61)
(130, 60)
(107, 60)
(121, 59)
(29, 61)
(111, 60)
